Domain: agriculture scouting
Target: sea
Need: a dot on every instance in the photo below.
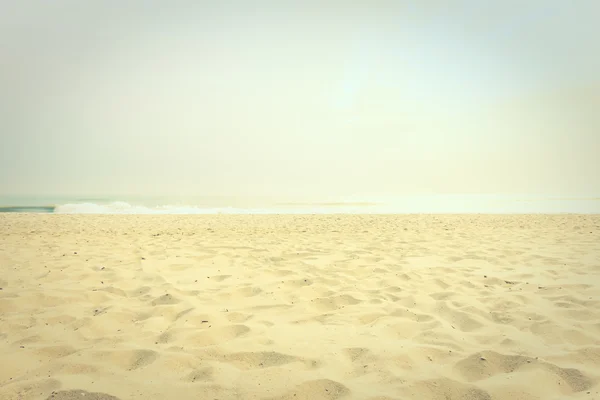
(406, 204)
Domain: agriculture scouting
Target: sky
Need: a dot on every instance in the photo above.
(299, 98)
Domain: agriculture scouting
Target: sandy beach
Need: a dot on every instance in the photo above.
(299, 307)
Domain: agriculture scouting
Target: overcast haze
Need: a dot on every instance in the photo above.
(290, 98)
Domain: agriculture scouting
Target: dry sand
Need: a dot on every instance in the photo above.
(299, 307)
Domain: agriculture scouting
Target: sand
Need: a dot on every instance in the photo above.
(299, 307)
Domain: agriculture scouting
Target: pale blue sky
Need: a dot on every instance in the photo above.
(335, 98)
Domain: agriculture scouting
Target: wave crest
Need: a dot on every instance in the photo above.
(120, 207)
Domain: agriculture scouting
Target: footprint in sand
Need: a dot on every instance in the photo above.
(214, 336)
(484, 365)
(199, 375)
(128, 360)
(80, 394)
(319, 389)
(165, 299)
(443, 389)
(259, 359)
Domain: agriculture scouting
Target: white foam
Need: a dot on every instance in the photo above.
(120, 207)
(126, 208)
(404, 205)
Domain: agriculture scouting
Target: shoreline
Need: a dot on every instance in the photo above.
(51, 210)
(399, 205)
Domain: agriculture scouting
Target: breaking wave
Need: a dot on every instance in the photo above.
(404, 205)
(120, 207)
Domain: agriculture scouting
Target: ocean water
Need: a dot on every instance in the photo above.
(413, 204)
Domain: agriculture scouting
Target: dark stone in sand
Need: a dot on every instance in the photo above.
(80, 394)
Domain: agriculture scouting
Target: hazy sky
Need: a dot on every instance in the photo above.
(299, 97)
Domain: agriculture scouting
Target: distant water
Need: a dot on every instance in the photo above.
(428, 204)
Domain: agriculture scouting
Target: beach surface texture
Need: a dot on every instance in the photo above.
(442, 307)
